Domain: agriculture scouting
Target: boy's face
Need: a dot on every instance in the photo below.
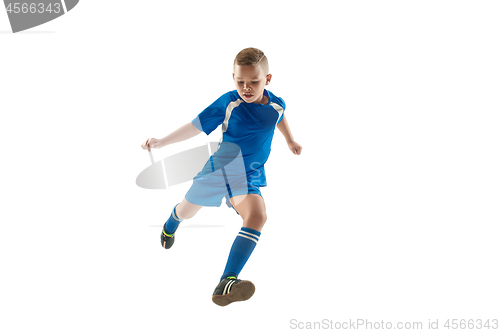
(250, 82)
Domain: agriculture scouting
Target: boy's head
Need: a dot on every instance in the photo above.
(252, 57)
(251, 75)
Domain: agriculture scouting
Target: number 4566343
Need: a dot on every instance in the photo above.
(471, 324)
(33, 8)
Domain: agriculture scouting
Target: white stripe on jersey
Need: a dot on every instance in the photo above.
(278, 109)
(229, 109)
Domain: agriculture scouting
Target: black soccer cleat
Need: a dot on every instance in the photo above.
(232, 290)
(167, 240)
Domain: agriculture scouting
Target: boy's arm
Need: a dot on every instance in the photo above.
(285, 130)
(182, 133)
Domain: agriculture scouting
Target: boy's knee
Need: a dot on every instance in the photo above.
(264, 217)
(259, 217)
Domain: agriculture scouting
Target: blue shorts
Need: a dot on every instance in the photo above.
(210, 195)
(224, 175)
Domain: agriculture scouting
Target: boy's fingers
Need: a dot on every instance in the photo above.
(146, 144)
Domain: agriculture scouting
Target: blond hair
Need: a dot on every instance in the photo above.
(254, 57)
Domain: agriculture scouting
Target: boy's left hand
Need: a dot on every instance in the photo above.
(295, 147)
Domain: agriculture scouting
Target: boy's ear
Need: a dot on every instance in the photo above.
(268, 78)
(233, 76)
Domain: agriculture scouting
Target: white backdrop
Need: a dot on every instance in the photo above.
(390, 214)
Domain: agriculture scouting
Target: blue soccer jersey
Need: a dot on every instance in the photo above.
(250, 126)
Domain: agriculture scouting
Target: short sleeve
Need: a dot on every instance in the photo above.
(282, 104)
(281, 118)
(210, 118)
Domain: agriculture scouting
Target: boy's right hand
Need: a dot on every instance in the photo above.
(151, 143)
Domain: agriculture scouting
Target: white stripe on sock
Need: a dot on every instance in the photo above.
(250, 234)
(253, 239)
(174, 215)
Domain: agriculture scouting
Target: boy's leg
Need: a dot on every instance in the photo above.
(182, 211)
(252, 209)
(186, 210)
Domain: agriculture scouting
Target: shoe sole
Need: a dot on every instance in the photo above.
(240, 292)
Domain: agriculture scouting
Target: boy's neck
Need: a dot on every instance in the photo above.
(264, 100)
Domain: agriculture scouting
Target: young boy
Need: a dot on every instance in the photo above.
(235, 171)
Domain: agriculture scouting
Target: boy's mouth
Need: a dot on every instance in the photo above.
(247, 95)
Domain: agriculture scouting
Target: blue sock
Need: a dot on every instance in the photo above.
(241, 250)
(172, 223)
